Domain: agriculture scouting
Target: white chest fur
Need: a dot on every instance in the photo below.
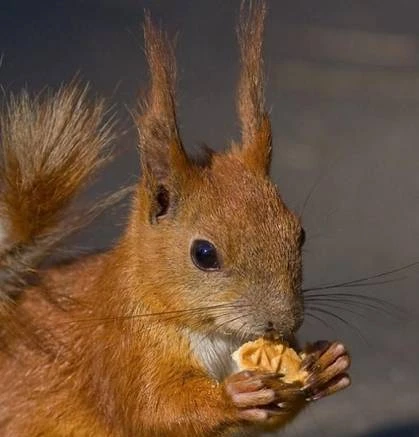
(214, 353)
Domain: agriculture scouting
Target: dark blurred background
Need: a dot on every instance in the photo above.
(343, 89)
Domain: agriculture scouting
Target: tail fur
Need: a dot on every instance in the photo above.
(50, 146)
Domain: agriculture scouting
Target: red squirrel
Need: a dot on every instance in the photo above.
(137, 340)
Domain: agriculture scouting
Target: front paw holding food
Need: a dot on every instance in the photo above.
(276, 382)
(326, 364)
(260, 396)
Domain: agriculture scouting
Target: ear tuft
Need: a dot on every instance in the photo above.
(163, 159)
(254, 119)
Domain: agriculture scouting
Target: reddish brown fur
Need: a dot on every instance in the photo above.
(255, 124)
(48, 142)
(51, 146)
(111, 354)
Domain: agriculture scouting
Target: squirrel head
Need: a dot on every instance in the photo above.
(218, 245)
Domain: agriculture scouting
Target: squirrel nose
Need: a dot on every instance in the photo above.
(285, 321)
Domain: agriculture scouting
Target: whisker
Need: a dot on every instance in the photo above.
(357, 285)
(240, 332)
(342, 320)
(319, 179)
(217, 327)
(319, 319)
(361, 305)
(351, 285)
(175, 313)
(194, 323)
(384, 309)
(365, 297)
(198, 322)
(342, 308)
(364, 279)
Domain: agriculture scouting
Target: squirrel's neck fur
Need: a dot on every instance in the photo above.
(214, 351)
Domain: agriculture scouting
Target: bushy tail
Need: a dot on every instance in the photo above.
(50, 146)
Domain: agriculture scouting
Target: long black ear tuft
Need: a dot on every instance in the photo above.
(163, 159)
(255, 124)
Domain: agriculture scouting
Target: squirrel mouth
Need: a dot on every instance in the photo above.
(273, 334)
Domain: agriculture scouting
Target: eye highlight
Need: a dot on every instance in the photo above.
(204, 255)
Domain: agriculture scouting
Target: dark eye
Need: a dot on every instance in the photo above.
(204, 255)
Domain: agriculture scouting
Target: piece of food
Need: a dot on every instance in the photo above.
(270, 356)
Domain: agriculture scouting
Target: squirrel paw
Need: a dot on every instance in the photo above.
(326, 364)
(260, 396)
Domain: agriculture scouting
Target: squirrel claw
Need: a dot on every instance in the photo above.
(339, 383)
(260, 396)
(327, 364)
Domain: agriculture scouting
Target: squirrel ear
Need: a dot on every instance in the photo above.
(164, 162)
(255, 150)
